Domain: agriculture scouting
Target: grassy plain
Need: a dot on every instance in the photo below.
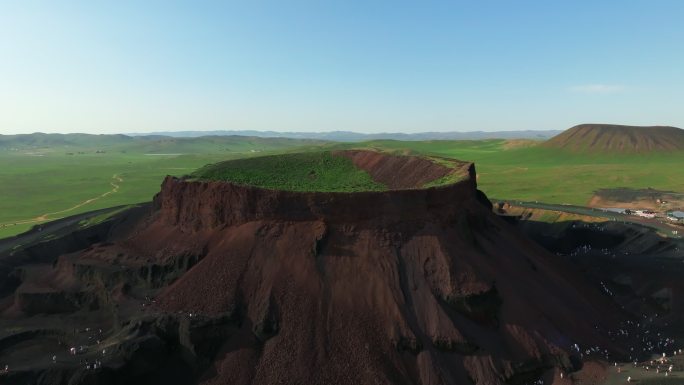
(310, 171)
(46, 181)
(39, 181)
(535, 173)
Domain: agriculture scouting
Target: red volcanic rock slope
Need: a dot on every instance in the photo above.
(398, 172)
(417, 286)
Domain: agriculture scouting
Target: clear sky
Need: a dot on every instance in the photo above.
(368, 66)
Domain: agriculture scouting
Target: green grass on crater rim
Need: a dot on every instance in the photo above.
(307, 171)
(310, 171)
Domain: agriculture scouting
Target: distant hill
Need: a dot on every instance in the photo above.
(618, 138)
(349, 136)
(41, 142)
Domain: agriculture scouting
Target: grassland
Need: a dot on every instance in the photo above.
(49, 180)
(311, 171)
(39, 178)
(536, 173)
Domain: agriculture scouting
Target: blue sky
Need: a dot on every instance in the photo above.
(368, 66)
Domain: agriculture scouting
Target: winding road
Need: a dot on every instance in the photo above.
(115, 183)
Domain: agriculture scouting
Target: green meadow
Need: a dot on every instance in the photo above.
(52, 179)
(523, 171)
(309, 171)
(48, 178)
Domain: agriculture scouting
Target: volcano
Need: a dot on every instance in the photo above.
(218, 282)
(618, 139)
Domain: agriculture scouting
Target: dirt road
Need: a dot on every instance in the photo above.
(115, 183)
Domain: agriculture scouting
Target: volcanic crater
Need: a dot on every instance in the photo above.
(218, 282)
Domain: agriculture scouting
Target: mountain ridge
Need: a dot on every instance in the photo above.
(350, 136)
